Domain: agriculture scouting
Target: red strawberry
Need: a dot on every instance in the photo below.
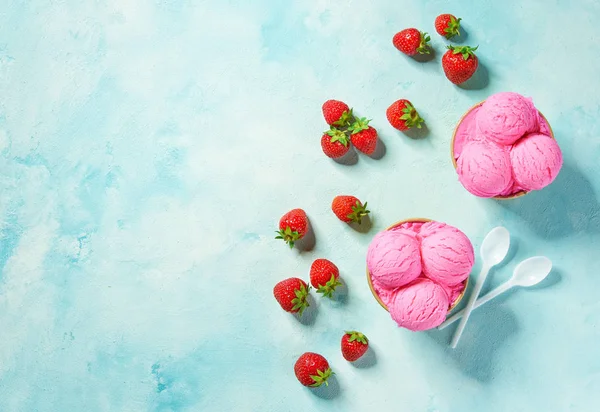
(292, 226)
(354, 345)
(324, 276)
(402, 115)
(349, 209)
(335, 143)
(336, 112)
(411, 42)
(447, 25)
(291, 294)
(312, 369)
(459, 63)
(363, 137)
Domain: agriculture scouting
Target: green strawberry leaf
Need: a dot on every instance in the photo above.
(358, 212)
(359, 125)
(465, 51)
(328, 288)
(337, 136)
(288, 235)
(357, 336)
(300, 301)
(321, 378)
(411, 116)
(453, 28)
(345, 119)
(423, 45)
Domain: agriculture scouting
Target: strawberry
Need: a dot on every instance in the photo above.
(335, 143)
(402, 115)
(349, 209)
(291, 294)
(354, 345)
(447, 25)
(312, 369)
(336, 113)
(292, 226)
(411, 41)
(363, 137)
(459, 63)
(324, 276)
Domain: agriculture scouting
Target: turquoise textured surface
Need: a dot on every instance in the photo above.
(150, 147)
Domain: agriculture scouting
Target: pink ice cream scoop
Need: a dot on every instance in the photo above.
(393, 258)
(453, 291)
(447, 253)
(386, 295)
(420, 305)
(484, 168)
(505, 117)
(536, 160)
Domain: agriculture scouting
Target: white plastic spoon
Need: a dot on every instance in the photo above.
(493, 251)
(529, 272)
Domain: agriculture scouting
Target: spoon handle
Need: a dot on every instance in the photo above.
(467, 310)
(491, 295)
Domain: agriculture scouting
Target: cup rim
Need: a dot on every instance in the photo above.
(509, 197)
(369, 280)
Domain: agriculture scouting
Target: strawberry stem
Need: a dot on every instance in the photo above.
(453, 28)
(337, 136)
(359, 125)
(357, 336)
(300, 302)
(411, 116)
(288, 235)
(328, 288)
(345, 119)
(424, 45)
(358, 212)
(466, 51)
(321, 377)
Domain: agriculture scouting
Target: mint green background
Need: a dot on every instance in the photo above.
(149, 148)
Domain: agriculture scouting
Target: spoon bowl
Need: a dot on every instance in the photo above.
(531, 271)
(495, 246)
